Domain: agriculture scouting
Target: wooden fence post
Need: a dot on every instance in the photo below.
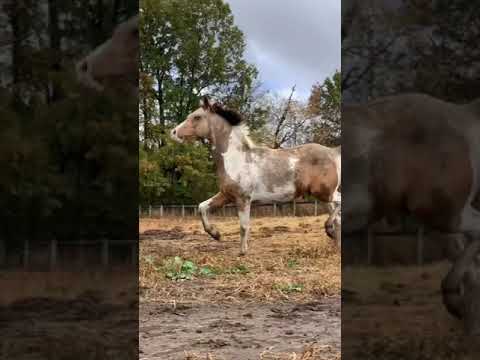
(420, 244)
(161, 210)
(3, 252)
(316, 207)
(149, 210)
(53, 254)
(195, 211)
(274, 209)
(183, 210)
(294, 207)
(105, 252)
(26, 254)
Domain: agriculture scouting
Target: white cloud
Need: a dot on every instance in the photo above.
(295, 43)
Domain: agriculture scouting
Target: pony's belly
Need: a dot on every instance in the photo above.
(280, 194)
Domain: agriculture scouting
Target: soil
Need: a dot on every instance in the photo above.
(81, 328)
(238, 332)
(397, 313)
(279, 302)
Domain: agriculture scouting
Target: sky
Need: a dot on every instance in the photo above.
(291, 42)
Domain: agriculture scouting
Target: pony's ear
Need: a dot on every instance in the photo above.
(205, 103)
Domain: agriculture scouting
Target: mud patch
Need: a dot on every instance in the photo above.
(173, 234)
(82, 328)
(239, 332)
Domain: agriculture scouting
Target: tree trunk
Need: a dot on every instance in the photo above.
(54, 35)
(14, 23)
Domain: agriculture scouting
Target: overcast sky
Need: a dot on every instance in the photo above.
(290, 41)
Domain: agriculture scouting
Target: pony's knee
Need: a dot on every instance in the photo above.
(203, 207)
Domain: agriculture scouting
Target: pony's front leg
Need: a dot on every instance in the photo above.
(244, 215)
(213, 203)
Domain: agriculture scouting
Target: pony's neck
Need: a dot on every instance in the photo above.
(229, 139)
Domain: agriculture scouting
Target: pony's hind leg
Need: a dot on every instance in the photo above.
(213, 203)
(333, 225)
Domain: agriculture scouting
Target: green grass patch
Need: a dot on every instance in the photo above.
(237, 269)
(288, 288)
(292, 263)
(179, 269)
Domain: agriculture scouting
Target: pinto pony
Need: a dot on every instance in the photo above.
(247, 172)
(417, 155)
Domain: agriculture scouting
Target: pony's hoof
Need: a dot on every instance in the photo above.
(216, 236)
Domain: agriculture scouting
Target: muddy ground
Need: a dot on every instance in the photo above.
(81, 328)
(397, 313)
(281, 301)
(240, 332)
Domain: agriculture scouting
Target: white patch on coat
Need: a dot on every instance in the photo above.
(470, 219)
(203, 208)
(338, 166)
(249, 174)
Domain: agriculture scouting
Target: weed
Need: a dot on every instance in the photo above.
(292, 263)
(238, 269)
(288, 288)
(179, 269)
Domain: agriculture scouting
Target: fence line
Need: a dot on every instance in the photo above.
(294, 208)
(52, 248)
(418, 234)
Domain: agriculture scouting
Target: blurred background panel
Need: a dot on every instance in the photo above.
(410, 124)
(69, 178)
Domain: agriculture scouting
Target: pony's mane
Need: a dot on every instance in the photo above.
(233, 117)
(246, 136)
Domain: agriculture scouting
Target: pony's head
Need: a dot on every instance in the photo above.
(114, 60)
(202, 122)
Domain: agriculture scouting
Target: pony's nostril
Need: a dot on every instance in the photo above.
(174, 132)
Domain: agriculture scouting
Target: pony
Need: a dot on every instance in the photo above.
(247, 172)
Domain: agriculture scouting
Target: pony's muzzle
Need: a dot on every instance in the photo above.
(84, 74)
(174, 136)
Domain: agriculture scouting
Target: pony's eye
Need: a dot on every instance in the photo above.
(196, 118)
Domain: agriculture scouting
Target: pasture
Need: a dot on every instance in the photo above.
(200, 300)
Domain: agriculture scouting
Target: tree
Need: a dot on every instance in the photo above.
(286, 122)
(192, 47)
(66, 153)
(189, 48)
(324, 106)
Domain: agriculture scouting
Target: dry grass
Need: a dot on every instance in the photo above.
(311, 352)
(288, 259)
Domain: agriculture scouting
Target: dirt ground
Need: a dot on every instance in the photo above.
(200, 300)
(59, 315)
(397, 313)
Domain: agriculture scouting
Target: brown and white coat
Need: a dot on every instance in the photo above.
(247, 172)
